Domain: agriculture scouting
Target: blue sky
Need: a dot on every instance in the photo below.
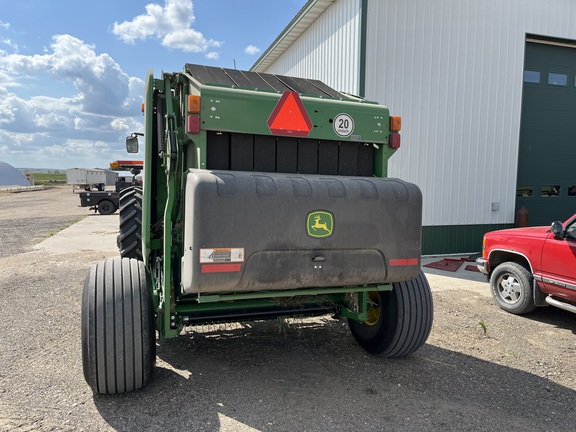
(71, 73)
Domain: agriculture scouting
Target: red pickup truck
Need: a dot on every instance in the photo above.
(531, 267)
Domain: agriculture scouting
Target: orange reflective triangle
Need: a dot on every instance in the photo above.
(289, 116)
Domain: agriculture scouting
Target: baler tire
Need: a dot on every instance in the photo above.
(118, 335)
(400, 322)
(106, 207)
(129, 239)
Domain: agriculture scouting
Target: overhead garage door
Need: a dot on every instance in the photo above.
(546, 183)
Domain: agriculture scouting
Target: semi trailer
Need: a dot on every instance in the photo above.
(106, 202)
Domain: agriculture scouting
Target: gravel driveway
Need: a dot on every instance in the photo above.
(270, 376)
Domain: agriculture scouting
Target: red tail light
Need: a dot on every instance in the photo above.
(193, 125)
(394, 141)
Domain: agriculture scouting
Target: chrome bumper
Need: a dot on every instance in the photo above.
(483, 265)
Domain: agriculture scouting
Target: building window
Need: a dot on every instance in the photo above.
(558, 79)
(572, 190)
(531, 76)
(550, 190)
(524, 191)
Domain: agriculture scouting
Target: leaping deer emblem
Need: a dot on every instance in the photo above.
(319, 225)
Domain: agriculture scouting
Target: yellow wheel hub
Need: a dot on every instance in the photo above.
(373, 309)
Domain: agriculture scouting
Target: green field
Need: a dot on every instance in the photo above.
(46, 179)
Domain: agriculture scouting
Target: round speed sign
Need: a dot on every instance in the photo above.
(343, 125)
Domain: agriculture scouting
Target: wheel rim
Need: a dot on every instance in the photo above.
(509, 289)
(373, 309)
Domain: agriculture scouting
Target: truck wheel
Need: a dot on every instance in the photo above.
(118, 336)
(106, 207)
(130, 238)
(511, 286)
(399, 321)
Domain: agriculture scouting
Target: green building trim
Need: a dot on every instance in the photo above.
(456, 239)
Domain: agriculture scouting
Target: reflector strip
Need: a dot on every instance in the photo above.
(127, 165)
(128, 162)
(403, 262)
(221, 268)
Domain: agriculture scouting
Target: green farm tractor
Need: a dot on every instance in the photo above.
(263, 196)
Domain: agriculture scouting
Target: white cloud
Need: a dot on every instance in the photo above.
(103, 87)
(6, 80)
(212, 55)
(251, 50)
(188, 40)
(172, 24)
(43, 150)
(46, 131)
(11, 44)
(7, 110)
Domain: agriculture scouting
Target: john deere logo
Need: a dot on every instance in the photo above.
(320, 224)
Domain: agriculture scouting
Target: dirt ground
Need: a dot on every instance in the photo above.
(511, 373)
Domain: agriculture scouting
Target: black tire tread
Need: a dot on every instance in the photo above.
(118, 336)
(525, 278)
(415, 321)
(130, 238)
(407, 313)
(106, 207)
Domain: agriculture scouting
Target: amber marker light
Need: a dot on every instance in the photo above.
(193, 104)
(395, 123)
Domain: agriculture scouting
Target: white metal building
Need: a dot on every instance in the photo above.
(486, 91)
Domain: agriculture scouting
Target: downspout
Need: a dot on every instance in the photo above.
(362, 60)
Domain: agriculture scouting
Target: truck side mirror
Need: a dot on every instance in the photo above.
(557, 229)
(132, 144)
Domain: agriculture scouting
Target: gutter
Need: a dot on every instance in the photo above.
(303, 19)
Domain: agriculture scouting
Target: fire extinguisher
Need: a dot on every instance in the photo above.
(522, 217)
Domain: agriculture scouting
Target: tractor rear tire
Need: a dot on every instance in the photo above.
(118, 335)
(130, 238)
(399, 320)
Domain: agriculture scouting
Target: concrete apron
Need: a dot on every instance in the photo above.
(94, 233)
(461, 279)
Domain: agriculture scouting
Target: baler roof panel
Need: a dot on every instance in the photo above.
(208, 75)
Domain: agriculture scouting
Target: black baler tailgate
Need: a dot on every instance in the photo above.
(251, 232)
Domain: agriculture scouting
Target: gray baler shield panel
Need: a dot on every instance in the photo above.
(264, 218)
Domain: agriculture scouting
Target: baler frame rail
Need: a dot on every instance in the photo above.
(207, 308)
(211, 298)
